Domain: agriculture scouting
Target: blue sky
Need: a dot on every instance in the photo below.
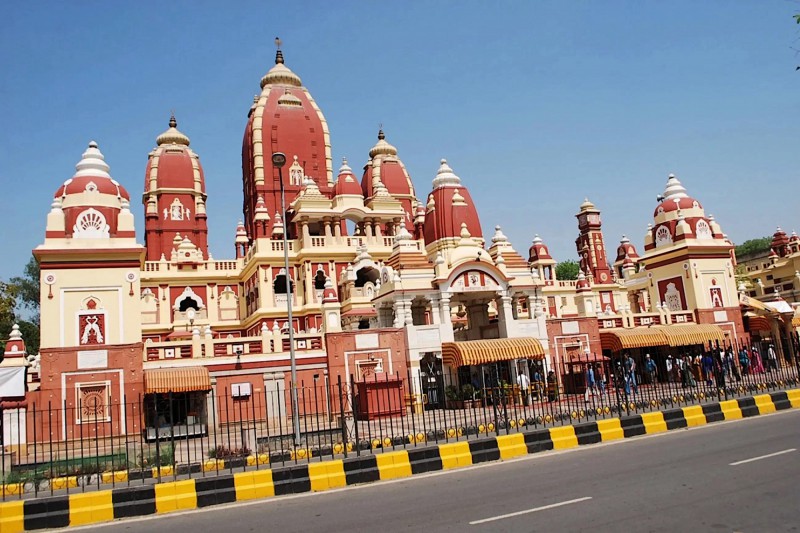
(534, 104)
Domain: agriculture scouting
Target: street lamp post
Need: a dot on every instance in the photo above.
(278, 160)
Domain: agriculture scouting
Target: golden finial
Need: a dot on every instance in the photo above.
(278, 54)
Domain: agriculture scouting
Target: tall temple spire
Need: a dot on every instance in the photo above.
(279, 52)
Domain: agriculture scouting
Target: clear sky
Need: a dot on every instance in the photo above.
(536, 105)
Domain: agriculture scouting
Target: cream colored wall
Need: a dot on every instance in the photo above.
(698, 282)
(71, 289)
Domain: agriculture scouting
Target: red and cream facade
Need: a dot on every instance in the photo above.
(378, 279)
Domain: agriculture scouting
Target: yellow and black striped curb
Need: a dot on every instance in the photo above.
(107, 505)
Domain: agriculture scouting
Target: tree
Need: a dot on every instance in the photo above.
(753, 246)
(566, 270)
(7, 317)
(19, 303)
(27, 289)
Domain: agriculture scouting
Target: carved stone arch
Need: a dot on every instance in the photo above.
(703, 230)
(90, 224)
(188, 294)
(663, 236)
(489, 278)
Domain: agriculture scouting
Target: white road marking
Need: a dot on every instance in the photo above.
(790, 450)
(528, 511)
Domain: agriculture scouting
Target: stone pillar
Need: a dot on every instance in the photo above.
(436, 314)
(444, 310)
(399, 313)
(505, 318)
(197, 343)
(409, 317)
(212, 406)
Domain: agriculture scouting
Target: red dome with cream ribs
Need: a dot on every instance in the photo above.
(283, 118)
(386, 168)
(346, 183)
(174, 195)
(449, 205)
(91, 199)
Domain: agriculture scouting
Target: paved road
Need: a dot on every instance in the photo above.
(679, 481)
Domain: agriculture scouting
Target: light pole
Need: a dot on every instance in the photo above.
(278, 160)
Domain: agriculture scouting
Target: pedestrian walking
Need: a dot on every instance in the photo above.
(732, 367)
(651, 369)
(744, 361)
(600, 377)
(591, 384)
(708, 367)
(524, 387)
(772, 358)
(756, 365)
(630, 375)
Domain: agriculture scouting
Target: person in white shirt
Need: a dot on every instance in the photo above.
(524, 387)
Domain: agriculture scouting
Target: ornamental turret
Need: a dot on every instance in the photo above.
(590, 245)
(450, 212)
(285, 119)
(385, 172)
(174, 195)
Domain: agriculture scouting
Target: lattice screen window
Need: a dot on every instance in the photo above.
(93, 402)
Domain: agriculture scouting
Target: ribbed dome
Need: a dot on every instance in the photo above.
(172, 135)
(92, 175)
(587, 205)
(280, 74)
(675, 197)
(346, 183)
(382, 147)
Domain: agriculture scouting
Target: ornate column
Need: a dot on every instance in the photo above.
(505, 317)
(436, 314)
(444, 310)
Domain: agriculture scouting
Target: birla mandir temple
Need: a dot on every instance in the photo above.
(386, 277)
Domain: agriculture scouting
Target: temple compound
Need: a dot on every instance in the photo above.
(384, 280)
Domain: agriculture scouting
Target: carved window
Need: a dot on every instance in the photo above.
(176, 210)
(663, 236)
(93, 402)
(703, 230)
(90, 224)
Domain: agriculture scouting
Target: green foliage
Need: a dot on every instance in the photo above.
(27, 289)
(566, 270)
(451, 393)
(152, 457)
(753, 246)
(19, 303)
(7, 316)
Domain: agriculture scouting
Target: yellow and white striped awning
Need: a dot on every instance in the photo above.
(181, 379)
(623, 339)
(693, 334)
(456, 354)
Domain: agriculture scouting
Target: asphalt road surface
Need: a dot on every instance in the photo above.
(738, 477)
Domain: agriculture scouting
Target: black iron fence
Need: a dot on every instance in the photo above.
(53, 447)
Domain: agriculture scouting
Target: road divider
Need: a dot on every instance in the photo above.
(379, 464)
